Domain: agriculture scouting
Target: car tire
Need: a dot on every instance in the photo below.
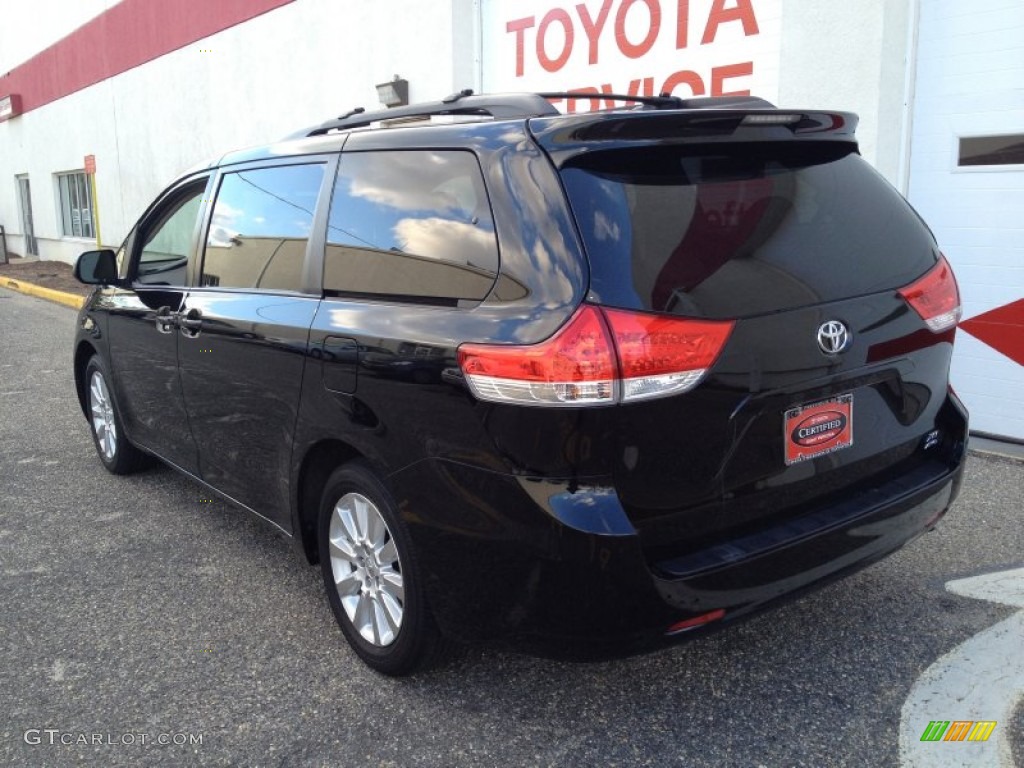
(116, 452)
(372, 575)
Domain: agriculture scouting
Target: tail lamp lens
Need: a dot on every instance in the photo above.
(660, 355)
(576, 366)
(935, 297)
(601, 356)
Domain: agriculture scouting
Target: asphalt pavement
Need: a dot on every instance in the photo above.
(138, 610)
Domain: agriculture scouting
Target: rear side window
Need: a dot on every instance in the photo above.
(411, 225)
(734, 230)
(261, 223)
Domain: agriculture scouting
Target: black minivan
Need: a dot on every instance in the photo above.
(585, 382)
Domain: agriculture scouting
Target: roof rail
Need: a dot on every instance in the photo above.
(521, 105)
(505, 105)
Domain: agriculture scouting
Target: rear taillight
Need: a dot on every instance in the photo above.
(935, 297)
(576, 366)
(661, 355)
(600, 357)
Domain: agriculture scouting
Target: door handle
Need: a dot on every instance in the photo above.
(165, 320)
(190, 322)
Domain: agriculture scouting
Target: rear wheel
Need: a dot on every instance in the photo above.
(372, 575)
(115, 451)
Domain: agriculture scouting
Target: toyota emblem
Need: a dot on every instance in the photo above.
(833, 337)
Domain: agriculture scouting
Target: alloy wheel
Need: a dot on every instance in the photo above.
(366, 569)
(102, 411)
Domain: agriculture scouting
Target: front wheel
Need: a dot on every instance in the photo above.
(115, 451)
(372, 575)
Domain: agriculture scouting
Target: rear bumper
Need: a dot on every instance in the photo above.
(557, 567)
(815, 548)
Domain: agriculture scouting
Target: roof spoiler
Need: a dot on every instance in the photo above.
(664, 101)
(568, 136)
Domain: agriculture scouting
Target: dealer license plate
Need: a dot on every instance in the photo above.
(818, 428)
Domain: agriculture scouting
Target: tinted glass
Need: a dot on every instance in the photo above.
(411, 224)
(737, 230)
(167, 239)
(992, 150)
(261, 222)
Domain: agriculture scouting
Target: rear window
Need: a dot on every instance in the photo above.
(735, 230)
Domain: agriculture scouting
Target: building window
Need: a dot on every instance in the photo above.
(27, 221)
(75, 205)
(991, 150)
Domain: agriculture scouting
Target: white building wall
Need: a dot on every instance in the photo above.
(851, 56)
(52, 140)
(971, 83)
(292, 67)
(633, 46)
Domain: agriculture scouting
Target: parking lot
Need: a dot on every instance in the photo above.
(145, 622)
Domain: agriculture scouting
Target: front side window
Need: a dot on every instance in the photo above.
(167, 239)
(261, 223)
(413, 224)
(75, 205)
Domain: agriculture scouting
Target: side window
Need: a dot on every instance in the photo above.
(167, 239)
(261, 222)
(411, 224)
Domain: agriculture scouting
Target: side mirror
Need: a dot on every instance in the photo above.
(97, 268)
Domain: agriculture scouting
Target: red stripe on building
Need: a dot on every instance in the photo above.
(121, 38)
(1001, 328)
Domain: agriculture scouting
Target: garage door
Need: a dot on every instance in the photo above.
(967, 180)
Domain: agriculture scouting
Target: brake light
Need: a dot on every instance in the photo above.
(576, 366)
(935, 297)
(661, 355)
(600, 357)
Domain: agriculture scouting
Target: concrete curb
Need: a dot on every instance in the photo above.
(986, 446)
(67, 299)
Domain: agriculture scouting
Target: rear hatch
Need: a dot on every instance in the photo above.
(830, 381)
